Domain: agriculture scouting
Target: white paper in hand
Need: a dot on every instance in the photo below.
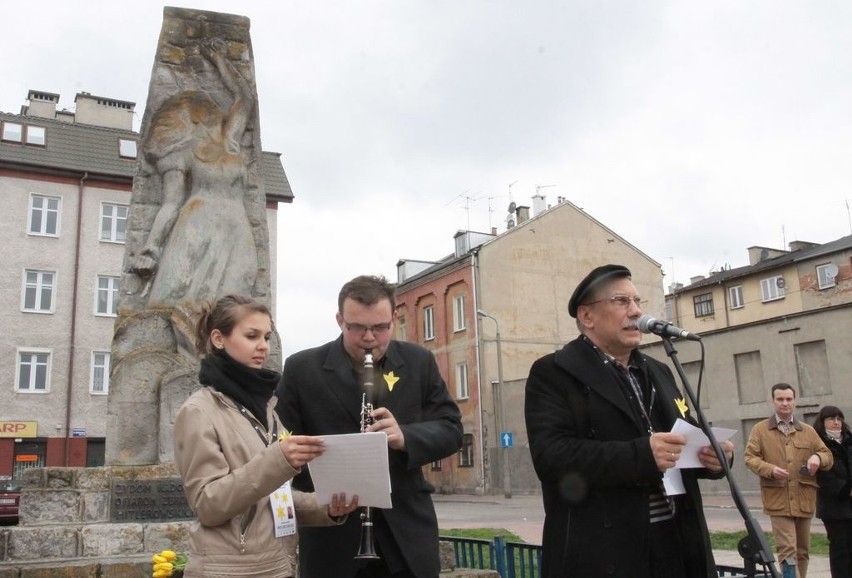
(356, 464)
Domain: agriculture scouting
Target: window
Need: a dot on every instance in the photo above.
(127, 148)
(826, 275)
(13, 131)
(466, 451)
(99, 384)
(113, 222)
(36, 135)
(748, 369)
(38, 291)
(812, 368)
(772, 288)
(33, 370)
(44, 215)
(31, 135)
(462, 387)
(106, 299)
(459, 322)
(735, 297)
(437, 465)
(703, 304)
(428, 323)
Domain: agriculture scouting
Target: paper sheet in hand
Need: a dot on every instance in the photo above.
(356, 464)
(695, 440)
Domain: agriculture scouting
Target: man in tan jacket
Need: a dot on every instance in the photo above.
(786, 454)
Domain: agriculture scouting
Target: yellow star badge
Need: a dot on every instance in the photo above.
(681, 405)
(391, 380)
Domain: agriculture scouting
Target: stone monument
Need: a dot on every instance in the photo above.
(197, 226)
(196, 231)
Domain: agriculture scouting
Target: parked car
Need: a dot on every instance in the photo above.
(10, 497)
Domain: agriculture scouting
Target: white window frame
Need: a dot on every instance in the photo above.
(112, 220)
(462, 382)
(42, 232)
(428, 323)
(823, 279)
(8, 136)
(33, 363)
(100, 362)
(769, 289)
(735, 297)
(39, 287)
(127, 148)
(459, 321)
(111, 294)
(36, 135)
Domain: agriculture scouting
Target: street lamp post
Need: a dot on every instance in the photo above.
(499, 413)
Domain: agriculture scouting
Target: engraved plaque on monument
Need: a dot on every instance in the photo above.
(157, 500)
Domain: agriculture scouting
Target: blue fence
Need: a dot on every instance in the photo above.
(509, 559)
(517, 560)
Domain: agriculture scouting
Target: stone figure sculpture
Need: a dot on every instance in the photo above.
(197, 226)
(201, 243)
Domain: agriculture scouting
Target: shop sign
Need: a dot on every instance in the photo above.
(18, 429)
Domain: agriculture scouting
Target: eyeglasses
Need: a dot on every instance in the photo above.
(622, 301)
(377, 329)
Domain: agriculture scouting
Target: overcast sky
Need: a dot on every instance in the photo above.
(692, 129)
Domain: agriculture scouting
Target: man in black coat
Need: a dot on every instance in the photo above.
(599, 415)
(320, 393)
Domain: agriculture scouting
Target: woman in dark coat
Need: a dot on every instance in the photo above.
(834, 497)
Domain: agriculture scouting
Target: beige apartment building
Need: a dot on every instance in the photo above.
(491, 308)
(66, 180)
(785, 317)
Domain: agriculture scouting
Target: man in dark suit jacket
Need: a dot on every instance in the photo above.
(598, 416)
(320, 394)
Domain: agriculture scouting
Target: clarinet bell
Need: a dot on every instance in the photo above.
(367, 546)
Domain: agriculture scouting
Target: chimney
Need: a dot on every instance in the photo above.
(539, 204)
(41, 104)
(523, 213)
(801, 245)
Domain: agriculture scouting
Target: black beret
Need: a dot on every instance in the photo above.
(592, 280)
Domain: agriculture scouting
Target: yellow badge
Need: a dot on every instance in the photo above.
(391, 380)
(681, 405)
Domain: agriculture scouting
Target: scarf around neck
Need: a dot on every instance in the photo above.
(250, 387)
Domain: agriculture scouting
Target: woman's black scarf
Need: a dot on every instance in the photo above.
(246, 385)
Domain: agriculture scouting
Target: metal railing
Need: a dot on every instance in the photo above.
(518, 560)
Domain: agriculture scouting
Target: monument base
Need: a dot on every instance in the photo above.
(94, 522)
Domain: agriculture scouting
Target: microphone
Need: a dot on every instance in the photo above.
(648, 324)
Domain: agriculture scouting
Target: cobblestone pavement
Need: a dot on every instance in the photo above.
(524, 516)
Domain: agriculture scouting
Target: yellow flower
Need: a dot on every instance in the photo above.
(284, 435)
(167, 562)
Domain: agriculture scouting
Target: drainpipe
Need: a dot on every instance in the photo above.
(474, 265)
(72, 338)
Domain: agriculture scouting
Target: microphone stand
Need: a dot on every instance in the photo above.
(754, 548)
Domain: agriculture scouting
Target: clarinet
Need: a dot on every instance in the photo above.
(367, 544)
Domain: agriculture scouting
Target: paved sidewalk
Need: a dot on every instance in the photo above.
(524, 516)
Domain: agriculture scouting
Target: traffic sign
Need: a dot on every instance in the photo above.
(506, 440)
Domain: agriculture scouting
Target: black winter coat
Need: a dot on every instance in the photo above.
(592, 454)
(833, 500)
(319, 395)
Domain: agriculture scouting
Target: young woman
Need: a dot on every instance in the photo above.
(236, 459)
(834, 497)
